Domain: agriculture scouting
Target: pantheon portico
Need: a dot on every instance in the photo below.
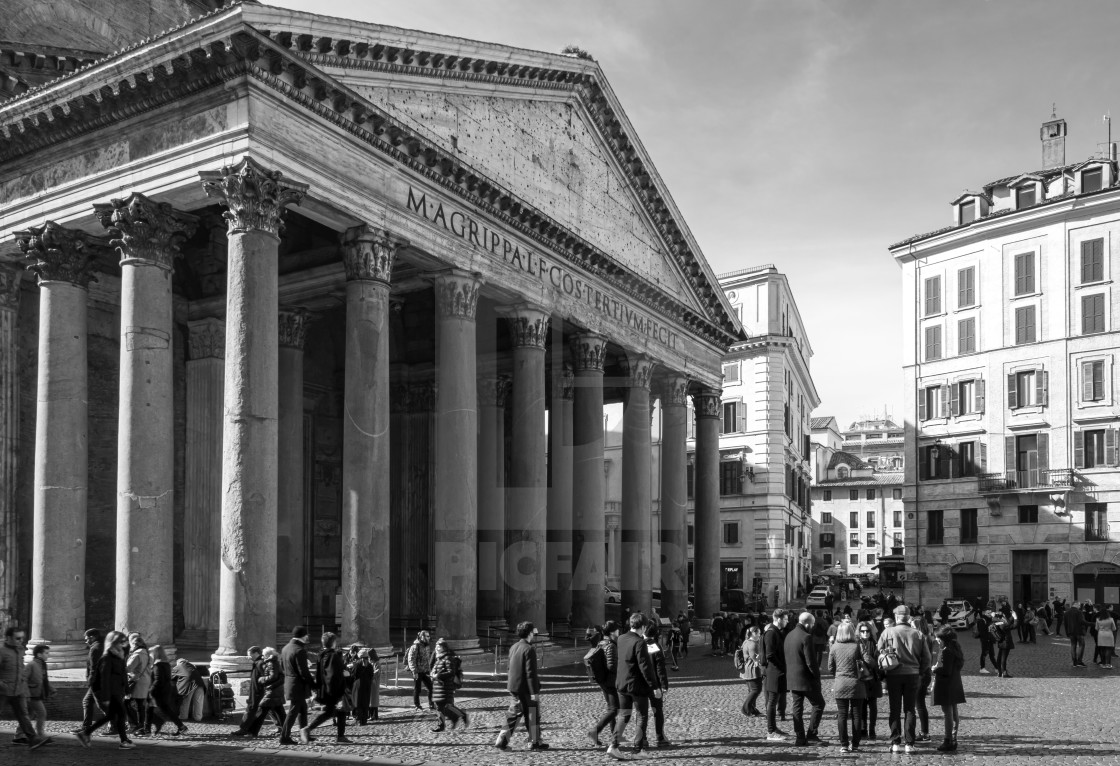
(304, 316)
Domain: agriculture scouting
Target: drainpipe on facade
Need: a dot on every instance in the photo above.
(917, 448)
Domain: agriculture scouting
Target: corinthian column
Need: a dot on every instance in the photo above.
(455, 511)
(147, 234)
(62, 260)
(492, 396)
(289, 521)
(10, 278)
(560, 497)
(707, 402)
(368, 255)
(637, 505)
(674, 496)
(588, 517)
(255, 198)
(527, 506)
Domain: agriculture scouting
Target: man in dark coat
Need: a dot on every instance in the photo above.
(252, 701)
(524, 684)
(267, 692)
(89, 701)
(717, 634)
(636, 681)
(774, 672)
(1074, 622)
(331, 687)
(297, 682)
(803, 677)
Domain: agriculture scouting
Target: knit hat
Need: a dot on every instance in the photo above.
(299, 632)
(93, 633)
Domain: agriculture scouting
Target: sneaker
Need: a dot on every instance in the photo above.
(985, 672)
(614, 752)
(20, 740)
(664, 743)
(83, 737)
(181, 730)
(776, 736)
(896, 748)
(594, 737)
(922, 738)
(441, 727)
(304, 736)
(909, 750)
(288, 741)
(538, 746)
(502, 742)
(126, 744)
(1007, 675)
(466, 720)
(39, 742)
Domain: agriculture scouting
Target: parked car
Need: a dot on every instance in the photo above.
(962, 616)
(612, 595)
(820, 598)
(657, 602)
(741, 601)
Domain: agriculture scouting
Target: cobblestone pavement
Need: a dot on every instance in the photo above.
(1047, 714)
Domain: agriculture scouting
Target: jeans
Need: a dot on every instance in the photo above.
(610, 694)
(19, 707)
(113, 711)
(255, 720)
(191, 705)
(1001, 665)
(89, 707)
(296, 709)
(1028, 633)
(816, 700)
(988, 650)
(924, 682)
(902, 691)
(161, 712)
(421, 679)
(754, 689)
(137, 711)
(38, 711)
(656, 704)
(774, 701)
(448, 711)
(854, 708)
(1077, 648)
(330, 710)
(626, 704)
(870, 712)
(1059, 620)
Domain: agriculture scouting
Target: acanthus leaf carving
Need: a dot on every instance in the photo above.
(528, 326)
(57, 254)
(207, 338)
(293, 327)
(369, 253)
(588, 350)
(494, 391)
(707, 403)
(255, 197)
(674, 391)
(145, 230)
(457, 294)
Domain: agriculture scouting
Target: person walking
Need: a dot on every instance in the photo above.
(987, 642)
(752, 671)
(686, 631)
(608, 644)
(330, 691)
(89, 701)
(298, 682)
(366, 688)
(912, 660)
(1001, 634)
(636, 680)
(139, 667)
(657, 701)
(945, 612)
(845, 663)
(447, 676)
(189, 685)
(39, 689)
(162, 706)
(1106, 636)
(774, 673)
(266, 682)
(872, 683)
(803, 677)
(1074, 622)
(418, 658)
(948, 689)
(524, 685)
(109, 682)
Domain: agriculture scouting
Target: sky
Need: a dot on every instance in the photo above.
(813, 135)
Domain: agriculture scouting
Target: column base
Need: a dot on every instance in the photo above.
(231, 663)
(197, 640)
(64, 654)
(464, 645)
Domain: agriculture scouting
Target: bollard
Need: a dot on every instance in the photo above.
(396, 671)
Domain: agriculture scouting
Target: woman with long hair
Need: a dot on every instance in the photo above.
(109, 683)
(1001, 632)
(948, 690)
(162, 706)
(1106, 636)
(752, 670)
(139, 667)
(844, 662)
(869, 674)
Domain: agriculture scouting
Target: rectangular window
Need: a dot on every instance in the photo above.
(1024, 273)
(896, 494)
(826, 518)
(1092, 381)
(1028, 514)
(898, 539)
(1095, 448)
(1024, 197)
(966, 336)
(853, 559)
(966, 287)
(1028, 388)
(964, 398)
(731, 533)
(853, 519)
(933, 296)
(933, 343)
(935, 527)
(871, 519)
(966, 459)
(827, 497)
(729, 473)
(1025, 325)
(826, 559)
(691, 535)
(933, 402)
(1092, 261)
(731, 373)
(853, 494)
(734, 417)
(870, 494)
(897, 516)
(853, 540)
(689, 478)
(871, 540)
(967, 211)
(828, 540)
(870, 558)
(968, 526)
(1092, 314)
(1092, 180)
(1096, 522)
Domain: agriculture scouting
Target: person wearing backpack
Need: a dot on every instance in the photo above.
(904, 658)
(447, 676)
(1001, 634)
(752, 671)
(331, 676)
(602, 664)
(419, 661)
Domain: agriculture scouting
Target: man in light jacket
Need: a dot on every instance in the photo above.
(914, 661)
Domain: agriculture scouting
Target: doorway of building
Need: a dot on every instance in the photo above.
(731, 576)
(1028, 576)
(970, 583)
(1097, 581)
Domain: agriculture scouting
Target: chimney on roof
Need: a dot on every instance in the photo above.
(1053, 137)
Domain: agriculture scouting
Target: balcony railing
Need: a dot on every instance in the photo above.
(1016, 481)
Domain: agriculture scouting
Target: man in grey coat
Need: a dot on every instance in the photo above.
(803, 678)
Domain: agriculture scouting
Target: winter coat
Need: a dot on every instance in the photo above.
(270, 683)
(802, 669)
(187, 678)
(948, 689)
(419, 658)
(366, 690)
(657, 654)
(870, 655)
(844, 661)
(636, 675)
(92, 658)
(522, 679)
(1001, 634)
(139, 667)
(163, 687)
(330, 673)
(443, 678)
(298, 682)
(773, 661)
(12, 682)
(1106, 630)
(110, 678)
(35, 676)
(912, 649)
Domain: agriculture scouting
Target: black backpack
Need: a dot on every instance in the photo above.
(596, 663)
(739, 659)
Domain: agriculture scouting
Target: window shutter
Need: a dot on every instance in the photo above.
(1009, 454)
(1110, 445)
(1043, 441)
(948, 460)
(1086, 381)
(1098, 381)
(690, 421)
(978, 388)
(1012, 392)
(1086, 262)
(954, 400)
(922, 413)
(1078, 449)
(923, 463)
(741, 414)
(982, 447)
(944, 412)
(1042, 392)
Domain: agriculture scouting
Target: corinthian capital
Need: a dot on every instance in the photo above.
(369, 253)
(56, 254)
(144, 230)
(457, 294)
(528, 325)
(587, 351)
(207, 338)
(674, 391)
(10, 278)
(707, 403)
(640, 368)
(293, 327)
(255, 197)
(493, 392)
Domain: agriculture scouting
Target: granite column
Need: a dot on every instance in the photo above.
(588, 517)
(706, 521)
(493, 393)
(637, 505)
(10, 279)
(674, 496)
(290, 605)
(560, 487)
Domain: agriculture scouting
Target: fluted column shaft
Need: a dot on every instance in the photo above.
(706, 488)
(560, 487)
(255, 198)
(455, 510)
(61, 258)
(369, 255)
(492, 396)
(588, 517)
(10, 278)
(637, 504)
(290, 607)
(147, 235)
(527, 506)
(674, 496)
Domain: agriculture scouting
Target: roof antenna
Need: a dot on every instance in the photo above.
(1054, 110)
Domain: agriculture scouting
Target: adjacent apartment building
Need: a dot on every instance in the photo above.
(1012, 323)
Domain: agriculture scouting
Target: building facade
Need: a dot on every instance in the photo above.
(1011, 336)
(302, 295)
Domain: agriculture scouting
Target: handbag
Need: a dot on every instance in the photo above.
(888, 658)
